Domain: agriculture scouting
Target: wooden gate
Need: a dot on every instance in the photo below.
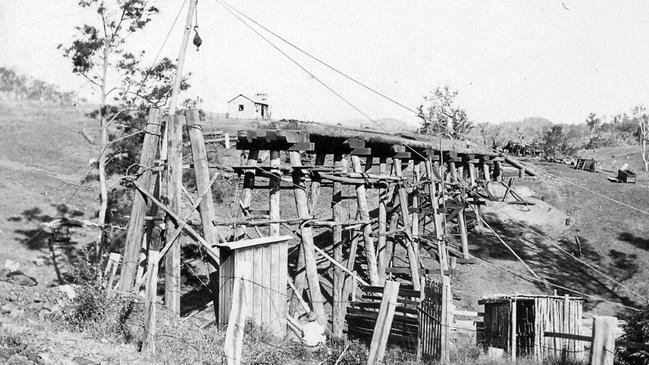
(434, 322)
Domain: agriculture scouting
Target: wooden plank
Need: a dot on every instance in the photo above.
(236, 245)
(150, 299)
(174, 184)
(135, 230)
(602, 351)
(383, 323)
(306, 232)
(233, 343)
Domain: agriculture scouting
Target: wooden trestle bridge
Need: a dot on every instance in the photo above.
(369, 206)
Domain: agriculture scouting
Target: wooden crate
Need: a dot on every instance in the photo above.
(626, 176)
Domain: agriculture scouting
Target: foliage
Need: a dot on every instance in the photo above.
(636, 329)
(556, 140)
(593, 122)
(441, 115)
(22, 87)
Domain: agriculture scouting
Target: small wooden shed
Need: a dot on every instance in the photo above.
(517, 324)
(266, 287)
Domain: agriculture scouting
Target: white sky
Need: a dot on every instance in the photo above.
(509, 59)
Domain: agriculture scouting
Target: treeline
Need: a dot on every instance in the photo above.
(561, 140)
(18, 87)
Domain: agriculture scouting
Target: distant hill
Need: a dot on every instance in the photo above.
(524, 131)
(390, 124)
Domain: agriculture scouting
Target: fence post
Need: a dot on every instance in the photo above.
(602, 351)
(150, 295)
(383, 322)
(238, 313)
(447, 318)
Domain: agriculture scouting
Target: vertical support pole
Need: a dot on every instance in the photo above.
(206, 208)
(317, 300)
(383, 323)
(364, 212)
(603, 348)
(274, 194)
(175, 90)
(447, 319)
(248, 183)
(472, 173)
(464, 238)
(233, 343)
(452, 170)
(135, 231)
(150, 294)
(512, 337)
(498, 170)
(383, 216)
(174, 186)
(405, 216)
(339, 301)
(315, 184)
(485, 168)
(437, 219)
(226, 140)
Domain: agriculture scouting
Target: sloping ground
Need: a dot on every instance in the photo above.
(614, 239)
(43, 158)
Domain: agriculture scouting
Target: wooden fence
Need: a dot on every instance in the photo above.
(602, 341)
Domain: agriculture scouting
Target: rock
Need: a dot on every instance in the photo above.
(39, 261)
(11, 265)
(313, 334)
(68, 290)
(19, 278)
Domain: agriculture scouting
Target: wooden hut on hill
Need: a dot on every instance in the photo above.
(517, 324)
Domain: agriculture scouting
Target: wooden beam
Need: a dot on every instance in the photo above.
(381, 260)
(363, 209)
(383, 323)
(174, 194)
(413, 258)
(317, 300)
(233, 343)
(274, 194)
(150, 299)
(339, 302)
(602, 351)
(207, 209)
(135, 231)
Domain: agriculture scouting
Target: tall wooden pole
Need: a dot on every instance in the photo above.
(172, 140)
(308, 251)
(207, 208)
(338, 314)
(135, 230)
(175, 91)
(174, 186)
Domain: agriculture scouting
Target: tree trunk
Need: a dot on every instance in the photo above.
(103, 189)
(645, 158)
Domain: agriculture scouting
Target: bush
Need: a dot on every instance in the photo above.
(636, 329)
